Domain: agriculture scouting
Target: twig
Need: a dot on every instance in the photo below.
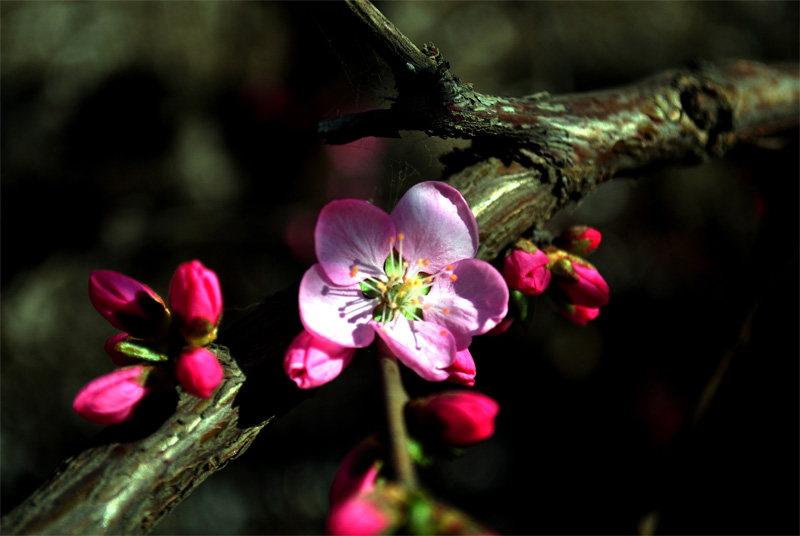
(395, 398)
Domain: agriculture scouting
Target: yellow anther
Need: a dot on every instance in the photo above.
(405, 264)
(353, 270)
(448, 267)
(429, 280)
(400, 236)
(415, 302)
(393, 305)
(443, 332)
(391, 240)
(446, 311)
(426, 262)
(453, 277)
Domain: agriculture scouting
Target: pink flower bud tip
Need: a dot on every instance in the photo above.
(591, 290)
(580, 315)
(358, 472)
(112, 398)
(198, 371)
(463, 370)
(527, 271)
(357, 516)
(579, 240)
(312, 362)
(195, 299)
(127, 304)
(461, 418)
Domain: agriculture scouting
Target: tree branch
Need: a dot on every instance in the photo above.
(532, 155)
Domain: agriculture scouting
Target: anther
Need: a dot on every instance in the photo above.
(453, 277)
(353, 270)
(446, 311)
(400, 236)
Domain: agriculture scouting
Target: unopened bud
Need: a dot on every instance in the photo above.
(128, 305)
(198, 371)
(578, 278)
(526, 268)
(195, 299)
(311, 361)
(578, 240)
(578, 314)
(113, 398)
(462, 371)
(358, 471)
(460, 418)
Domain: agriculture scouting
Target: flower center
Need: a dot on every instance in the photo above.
(402, 288)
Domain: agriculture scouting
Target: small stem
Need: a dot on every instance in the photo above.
(395, 398)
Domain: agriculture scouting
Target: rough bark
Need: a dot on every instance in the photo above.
(529, 157)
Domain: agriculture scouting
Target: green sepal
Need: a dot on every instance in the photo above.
(522, 307)
(139, 349)
(420, 516)
(417, 451)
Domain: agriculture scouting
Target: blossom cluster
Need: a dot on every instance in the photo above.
(408, 277)
(579, 289)
(158, 345)
(363, 502)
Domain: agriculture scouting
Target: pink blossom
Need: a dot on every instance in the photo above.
(358, 516)
(358, 472)
(120, 359)
(195, 299)
(409, 277)
(312, 361)
(112, 398)
(463, 370)
(461, 418)
(579, 240)
(127, 304)
(198, 371)
(578, 314)
(526, 271)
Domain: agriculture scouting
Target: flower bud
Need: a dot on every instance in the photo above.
(357, 516)
(462, 371)
(525, 268)
(577, 314)
(127, 304)
(579, 279)
(113, 398)
(311, 361)
(195, 299)
(198, 371)
(578, 240)
(460, 418)
(358, 471)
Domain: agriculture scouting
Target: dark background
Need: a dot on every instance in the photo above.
(136, 136)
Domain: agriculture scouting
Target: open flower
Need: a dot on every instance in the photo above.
(409, 277)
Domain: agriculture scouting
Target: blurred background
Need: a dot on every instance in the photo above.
(138, 135)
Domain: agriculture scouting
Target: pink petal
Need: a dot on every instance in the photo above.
(424, 347)
(112, 398)
(336, 313)
(352, 233)
(437, 224)
(475, 302)
(463, 370)
(311, 362)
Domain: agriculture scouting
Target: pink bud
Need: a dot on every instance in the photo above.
(590, 290)
(462, 371)
(120, 359)
(311, 361)
(358, 471)
(527, 271)
(461, 418)
(198, 371)
(357, 516)
(579, 240)
(127, 304)
(579, 315)
(112, 398)
(195, 299)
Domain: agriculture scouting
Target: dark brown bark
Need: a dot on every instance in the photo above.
(529, 157)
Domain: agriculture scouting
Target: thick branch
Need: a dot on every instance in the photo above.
(532, 155)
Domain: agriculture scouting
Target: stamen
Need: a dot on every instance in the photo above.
(453, 277)
(443, 333)
(400, 236)
(353, 270)
(446, 310)
(449, 267)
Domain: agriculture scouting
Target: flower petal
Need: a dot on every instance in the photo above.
(437, 223)
(350, 233)
(424, 347)
(312, 362)
(336, 313)
(472, 304)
